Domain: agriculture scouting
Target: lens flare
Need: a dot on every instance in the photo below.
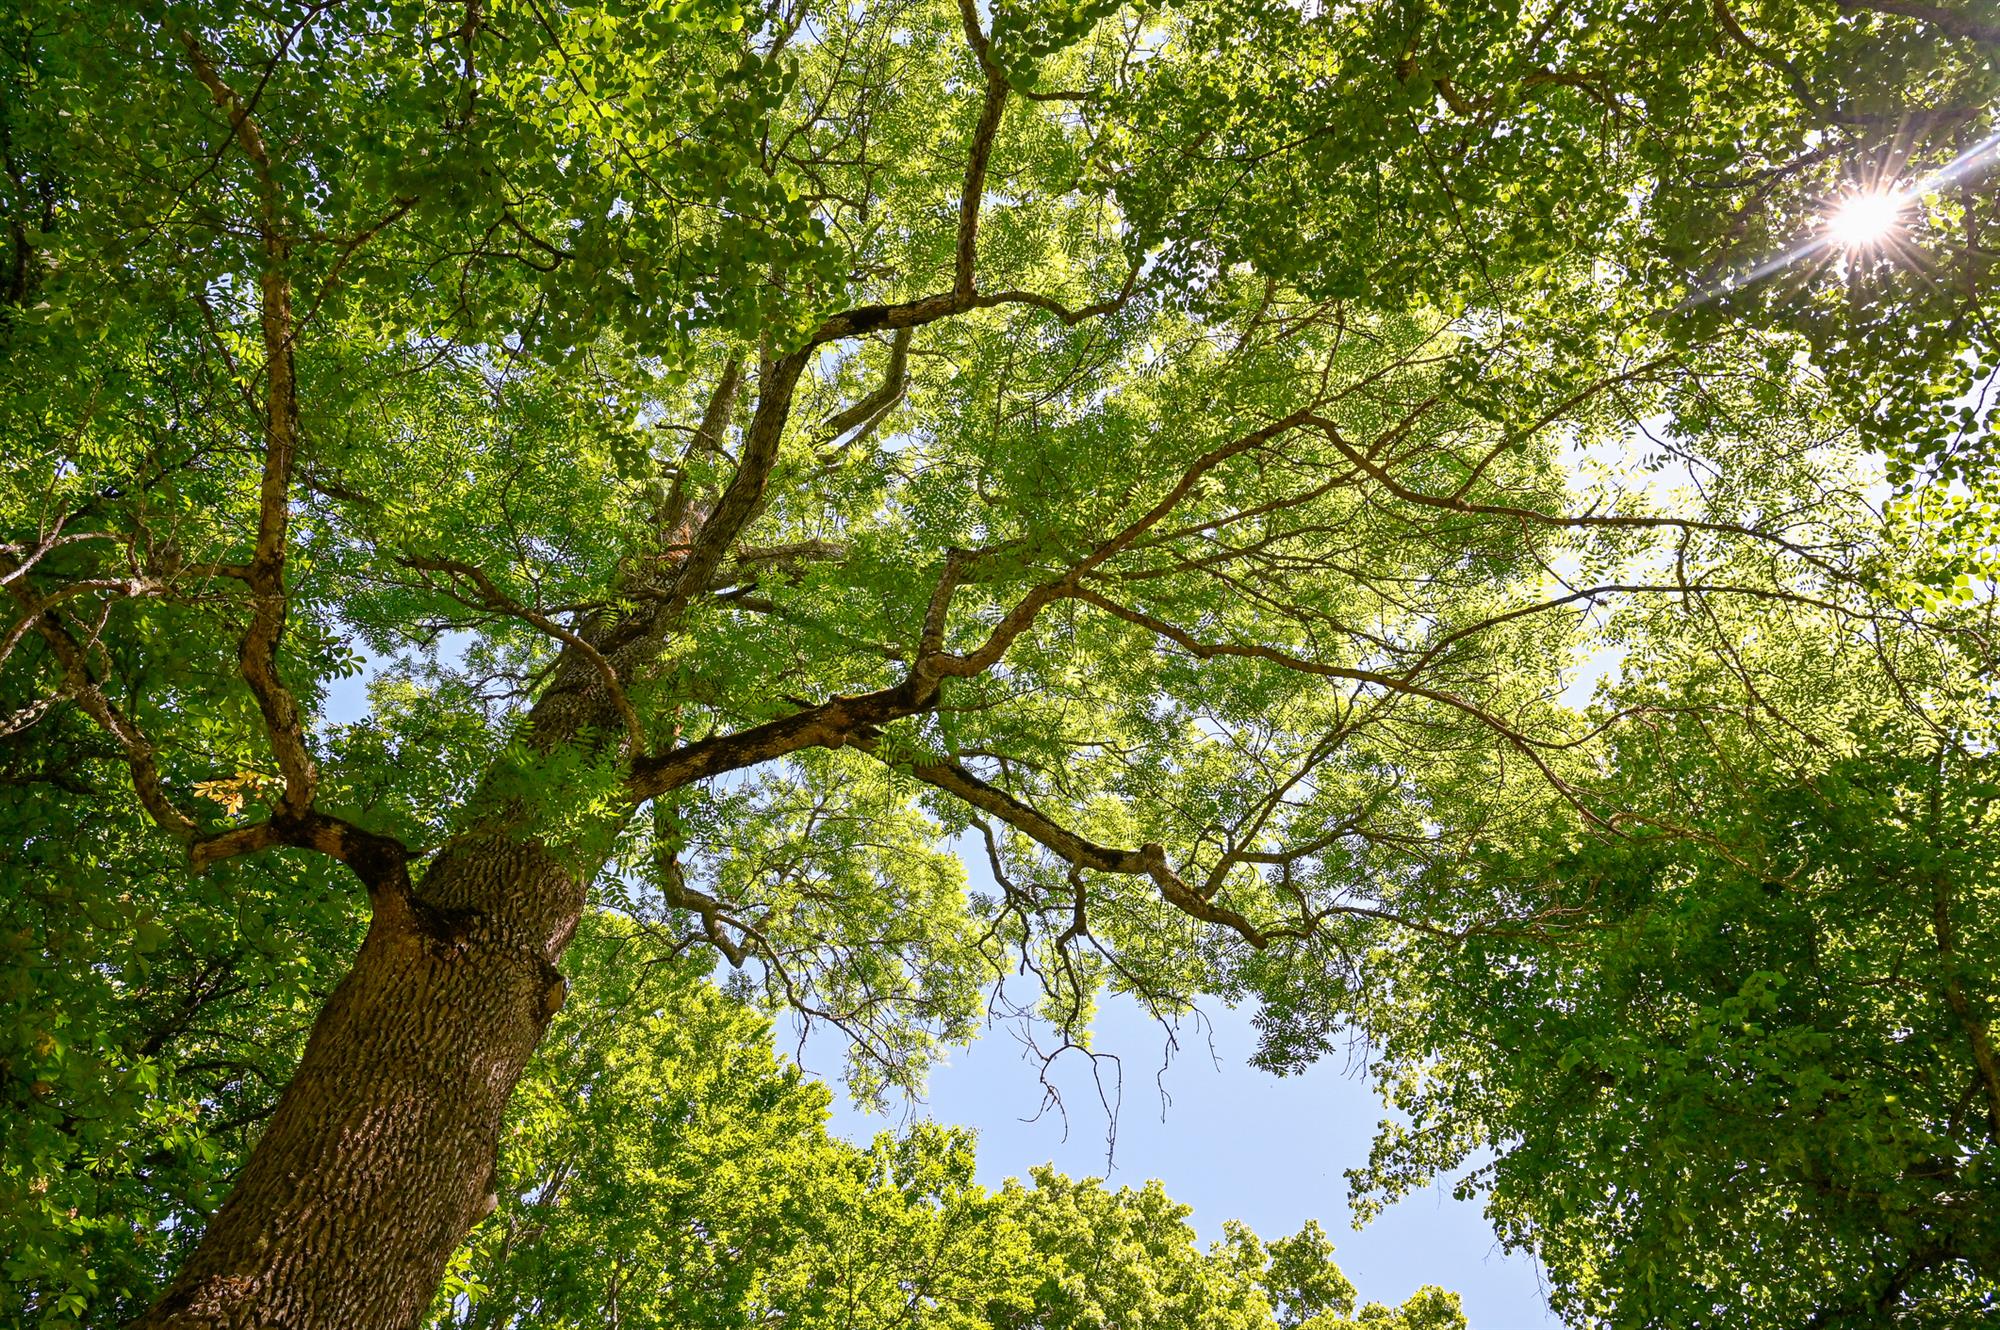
(1865, 219)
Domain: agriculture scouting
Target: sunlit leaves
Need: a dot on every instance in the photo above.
(1741, 1077)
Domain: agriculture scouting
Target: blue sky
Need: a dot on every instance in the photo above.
(1231, 1141)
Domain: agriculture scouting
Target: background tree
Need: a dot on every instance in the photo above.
(762, 442)
(145, 1031)
(1745, 1073)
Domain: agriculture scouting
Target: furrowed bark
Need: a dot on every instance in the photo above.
(380, 1156)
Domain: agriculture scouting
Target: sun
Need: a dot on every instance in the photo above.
(1866, 218)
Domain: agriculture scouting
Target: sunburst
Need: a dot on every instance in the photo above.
(1867, 219)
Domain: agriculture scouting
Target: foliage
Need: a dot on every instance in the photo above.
(1749, 1080)
(145, 1031)
(1186, 451)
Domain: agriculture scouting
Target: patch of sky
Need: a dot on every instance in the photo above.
(346, 701)
(1182, 1104)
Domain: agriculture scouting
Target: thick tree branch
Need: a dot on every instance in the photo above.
(895, 379)
(381, 862)
(257, 653)
(745, 494)
(840, 720)
(974, 189)
(929, 309)
(1148, 860)
(137, 748)
(828, 725)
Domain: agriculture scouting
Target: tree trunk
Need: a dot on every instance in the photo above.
(380, 1156)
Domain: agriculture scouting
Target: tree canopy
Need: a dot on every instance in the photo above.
(1748, 1080)
(1405, 514)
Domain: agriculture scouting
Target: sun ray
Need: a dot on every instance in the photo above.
(1862, 220)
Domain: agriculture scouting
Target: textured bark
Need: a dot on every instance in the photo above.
(380, 1156)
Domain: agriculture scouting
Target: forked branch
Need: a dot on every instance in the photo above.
(488, 595)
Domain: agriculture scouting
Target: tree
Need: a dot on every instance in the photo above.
(662, 1167)
(765, 441)
(1750, 1079)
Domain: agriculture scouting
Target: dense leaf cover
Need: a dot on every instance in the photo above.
(1746, 1082)
(1199, 455)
